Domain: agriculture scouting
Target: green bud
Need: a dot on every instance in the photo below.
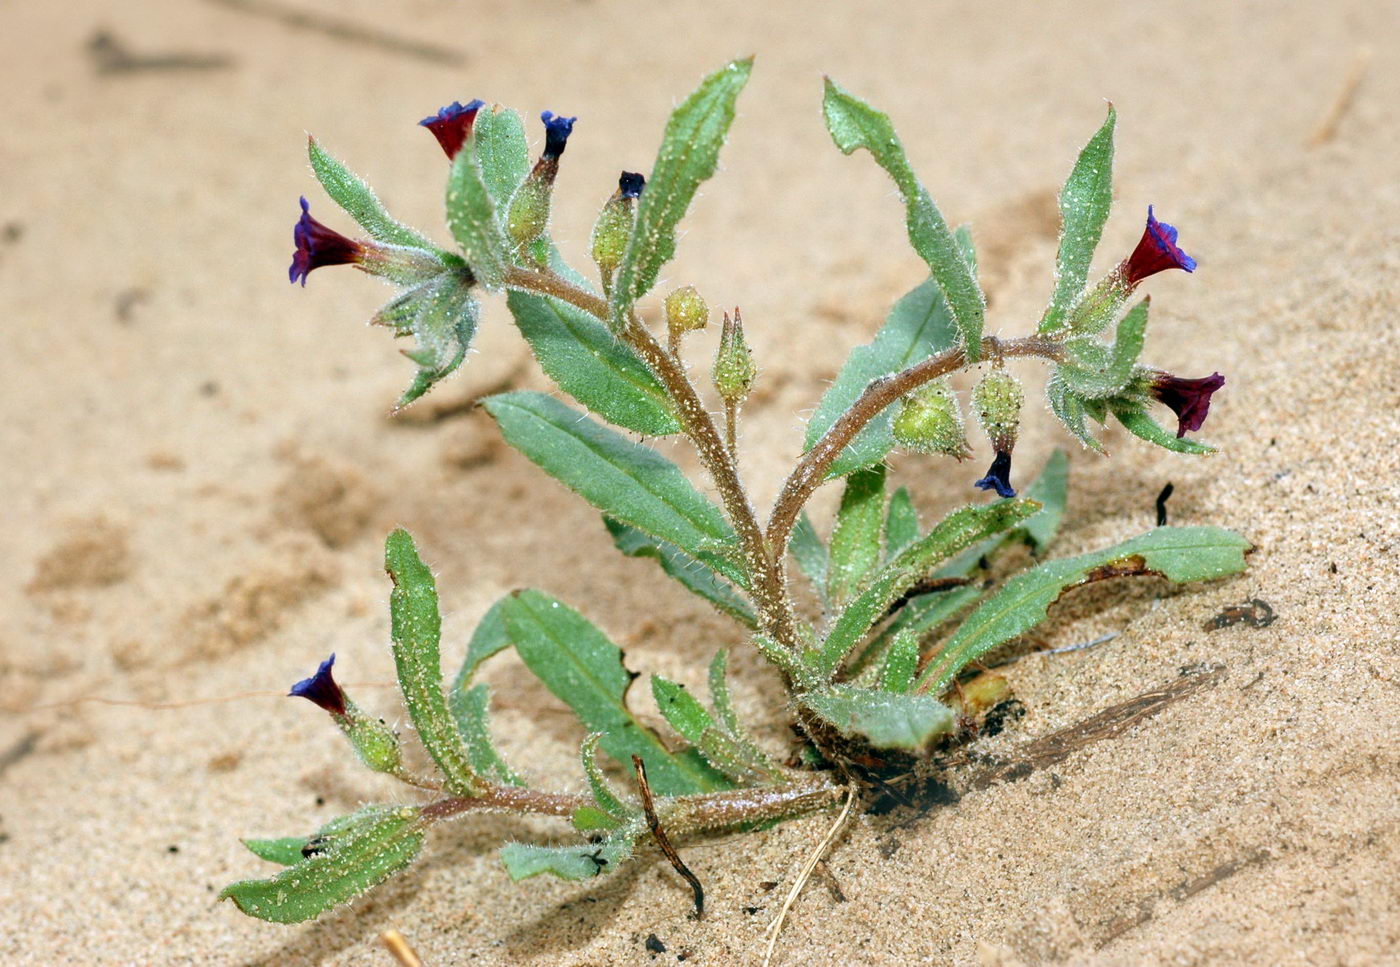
(930, 421)
(1099, 306)
(613, 229)
(734, 370)
(375, 743)
(528, 214)
(997, 399)
(686, 311)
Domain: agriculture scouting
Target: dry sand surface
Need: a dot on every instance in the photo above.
(198, 471)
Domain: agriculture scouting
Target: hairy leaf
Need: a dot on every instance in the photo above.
(623, 479)
(854, 124)
(1179, 554)
(592, 365)
(502, 152)
(810, 552)
(1051, 491)
(918, 326)
(1084, 204)
(581, 862)
(489, 638)
(855, 539)
(689, 155)
(1097, 372)
(470, 707)
(1137, 422)
(886, 720)
(901, 523)
(578, 663)
(729, 719)
(901, 663)
(284, 851)
(608, 800)
(350, 192)
(696, 577)
(416, 627)
(472, 217)
(444, 321)
(1069, 407)
(365, 850)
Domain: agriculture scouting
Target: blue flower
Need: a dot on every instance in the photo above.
(1156, 252)
(630, 185)
(998, 477)
(318, 245)
(322, 689)
(451, 124)
(556, 133)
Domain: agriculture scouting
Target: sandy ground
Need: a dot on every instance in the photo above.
(198, 471)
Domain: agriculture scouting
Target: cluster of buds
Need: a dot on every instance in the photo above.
(613, 229)
(374, 741)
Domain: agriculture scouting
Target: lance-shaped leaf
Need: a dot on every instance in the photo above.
(608, 800)
(1084, 204)
(487, 639)
(901, 663)
(922, 614)
(623, 479)
(956, 532)
(688, 717)
(578, 663)
(697, 578)
(502, 153)
(444, 318)
(1179, 554)
(284, 850)
(918, 326)
(473, 218)
(810, 552)
(886, 720)
(688, 156)
(416, 627)
(729, 719)
(1069, 407)
(592, 365)
(362, 852)
(901, 523)
(351, 193)
(1096, 372)
(581, 862)
(855, 538)
(1136, 421)
(1051, 491)
(471, 707)
(854, 124)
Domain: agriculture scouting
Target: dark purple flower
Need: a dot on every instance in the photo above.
(630, 185)
(451, 124)
(1156, 252)
(322, 689)
(998, 477)
(556, 133)
(318, 245)
(1188, 398)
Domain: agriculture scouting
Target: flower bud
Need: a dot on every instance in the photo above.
(997, 399)
(374, 742)
(528, 214)
(734, 370)
(930, 421)
(686, 311)
(613, 229)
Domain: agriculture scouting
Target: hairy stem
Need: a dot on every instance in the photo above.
(731, 421)
(765, 572)
(810, 472)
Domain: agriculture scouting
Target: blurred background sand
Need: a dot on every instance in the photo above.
(198, 469)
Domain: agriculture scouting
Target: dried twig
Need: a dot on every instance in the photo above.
(659, 834)
(1326, 129)
(776, 926)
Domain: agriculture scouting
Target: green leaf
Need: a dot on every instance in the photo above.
(502, 152)
(489, 638)
(855, 540)
(918, 326)
(577, 662)
(686, 715)
(901, 663)
(592, 365)
(1051, 491)
(444, 321)
(351, 193)
(919, 616)
(610, 802)
(365, 850)
(283, 851)
(956, 532)
(1098, 373)
(1137, 422)
(581, 862)
(729, 719)
(786, 661)
(470, 708)
(1179, 554)
(1084, 204)
(697, 578)
(689, 155)
(416, 628)
(472, 216)
(854, 124)
(808, 549)
(623, 479)
(1069, 407)
(886, 720)
(901, 523)
(963, 236)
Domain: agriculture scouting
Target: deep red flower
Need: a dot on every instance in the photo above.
(1156, 252)
(322, 689)
(451, 124)
(1188, 398)
(318, 245)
